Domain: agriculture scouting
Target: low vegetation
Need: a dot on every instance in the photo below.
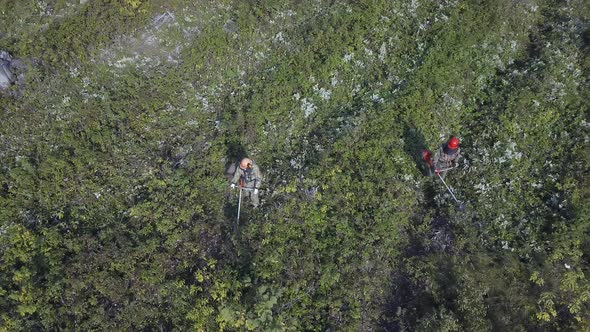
(115, 211)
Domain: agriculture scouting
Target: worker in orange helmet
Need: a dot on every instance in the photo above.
(447, 157)
(248, 177)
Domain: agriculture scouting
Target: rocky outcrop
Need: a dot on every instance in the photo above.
(6, 75)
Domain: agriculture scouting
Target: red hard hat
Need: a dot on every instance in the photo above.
(453, 143)
(426, 155)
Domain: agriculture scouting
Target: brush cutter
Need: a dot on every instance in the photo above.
(240, 199)
(461, 204)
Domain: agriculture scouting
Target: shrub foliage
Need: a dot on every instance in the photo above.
(115, 211)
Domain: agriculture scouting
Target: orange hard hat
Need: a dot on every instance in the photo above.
(453, 143)
(245, 163)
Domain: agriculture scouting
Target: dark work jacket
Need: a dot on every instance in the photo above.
(445, 158)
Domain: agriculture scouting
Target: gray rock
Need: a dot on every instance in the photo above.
(5, 56)
(166, 18)
(230, 27)
(6, 75)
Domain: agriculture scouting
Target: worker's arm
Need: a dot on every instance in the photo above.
(457, 158)
(257, 176)
(236, 177)
(436, 158)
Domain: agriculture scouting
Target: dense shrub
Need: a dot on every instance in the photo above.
(115, 211)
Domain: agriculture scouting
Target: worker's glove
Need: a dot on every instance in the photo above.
(255, 191)
(233, 185)
(437, 171)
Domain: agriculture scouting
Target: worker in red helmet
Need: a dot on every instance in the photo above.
(248, 177)
(447, 157)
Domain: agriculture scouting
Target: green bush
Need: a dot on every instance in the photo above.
(115, 212)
